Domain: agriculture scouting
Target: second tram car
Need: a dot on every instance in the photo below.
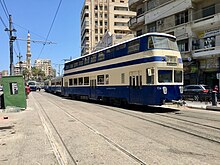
(146, 70)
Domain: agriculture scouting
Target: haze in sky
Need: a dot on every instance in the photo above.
(36, 16)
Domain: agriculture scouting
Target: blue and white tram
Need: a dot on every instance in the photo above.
(146, 70)
(56, 84)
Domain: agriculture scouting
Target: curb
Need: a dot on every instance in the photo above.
(211, 108)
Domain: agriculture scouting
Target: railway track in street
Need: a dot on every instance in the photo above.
(58, 153)
(201, 131)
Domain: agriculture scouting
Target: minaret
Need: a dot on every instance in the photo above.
(28, 55)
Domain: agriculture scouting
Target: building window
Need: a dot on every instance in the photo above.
(209, 10)
(140, 11)
(181, 17)
(139, 32)
(183, 45)
(209, 42)
(152, 27)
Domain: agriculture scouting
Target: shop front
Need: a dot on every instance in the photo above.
(208, 69)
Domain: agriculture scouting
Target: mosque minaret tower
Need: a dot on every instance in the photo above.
(28, 55)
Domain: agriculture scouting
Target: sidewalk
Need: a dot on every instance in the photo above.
(202, 105)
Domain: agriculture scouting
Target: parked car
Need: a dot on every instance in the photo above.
(197, 92)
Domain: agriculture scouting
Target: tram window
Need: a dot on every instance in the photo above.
(93, 58)
(100, 79)
(123, 78)
(133, 81)
(120, 47)
(137, 80)
(101, 56)
(66, 84)
(133, 46)
(70, 82)
(110, 53)
(80, 81)
(150, 76)
(86, 60)
(150, 43)
(75, 64)
(106, 79)
(140, 81)
(164, 76)
(75, 81)
(86, 80)
(81, 62)
(178, 76)
(71, 66)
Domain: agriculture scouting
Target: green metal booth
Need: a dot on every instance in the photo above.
(14, 91)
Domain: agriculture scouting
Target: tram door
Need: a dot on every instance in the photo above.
(135, 84)
(93, 89)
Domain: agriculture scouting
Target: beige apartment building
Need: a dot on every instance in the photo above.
(44, 65)
(195, 23)
(99, 17)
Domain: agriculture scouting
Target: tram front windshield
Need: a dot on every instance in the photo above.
(162, 42)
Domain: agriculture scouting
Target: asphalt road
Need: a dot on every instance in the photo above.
(55, 130)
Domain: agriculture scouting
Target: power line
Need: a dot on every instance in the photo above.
(50, 27)
(4, 7)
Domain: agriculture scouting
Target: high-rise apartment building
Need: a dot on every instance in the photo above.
(195, 23)
(44, 65)
(100, 16)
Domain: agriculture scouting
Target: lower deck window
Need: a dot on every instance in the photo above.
(164, 76)
(178, 76)
(100, 79)
(86, 80)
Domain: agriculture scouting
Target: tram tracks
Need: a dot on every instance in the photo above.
(191, 130)
(114, 144)
(196, 129)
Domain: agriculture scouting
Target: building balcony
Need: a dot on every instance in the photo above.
(134, 3)
(211, 21)
(167, 9)
(136, 21)
(206, 53)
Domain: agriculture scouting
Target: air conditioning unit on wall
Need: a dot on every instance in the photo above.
(160, 22)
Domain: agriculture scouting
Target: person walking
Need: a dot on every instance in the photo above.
(27, 90)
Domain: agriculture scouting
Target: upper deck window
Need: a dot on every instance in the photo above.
(133, 46)
(93, 58)
(162, 42)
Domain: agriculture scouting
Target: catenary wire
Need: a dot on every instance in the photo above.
(50, 28)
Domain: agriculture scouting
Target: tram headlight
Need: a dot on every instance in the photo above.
(181, 89)
(165, 90)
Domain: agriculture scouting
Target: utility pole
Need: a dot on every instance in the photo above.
(19, 61)
(11, 40)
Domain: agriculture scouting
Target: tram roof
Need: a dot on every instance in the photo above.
(146, 34)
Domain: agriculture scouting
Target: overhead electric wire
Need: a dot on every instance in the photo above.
(50, 28)
(4, 7)
(30, 31)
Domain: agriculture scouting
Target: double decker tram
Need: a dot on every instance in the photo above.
(146, 70)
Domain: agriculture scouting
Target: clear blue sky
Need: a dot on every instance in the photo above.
(37, 16)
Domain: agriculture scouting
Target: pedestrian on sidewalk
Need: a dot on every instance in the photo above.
(27, 90)
(215, 89)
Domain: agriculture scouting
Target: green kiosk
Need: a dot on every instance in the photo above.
(14, 91)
